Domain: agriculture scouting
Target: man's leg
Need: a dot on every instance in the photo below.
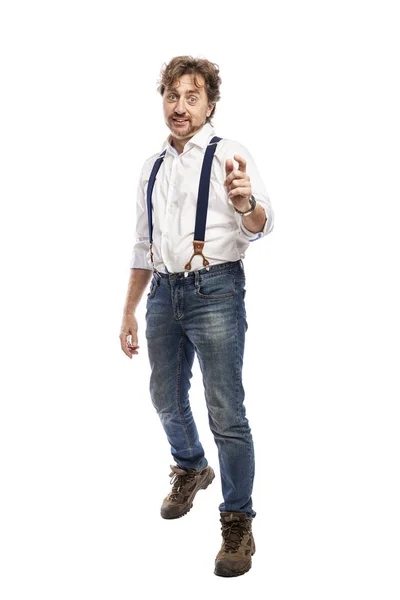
(215, 321)
(216, 324)
(171, 356)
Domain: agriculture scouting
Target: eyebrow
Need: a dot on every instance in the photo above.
(187, 92)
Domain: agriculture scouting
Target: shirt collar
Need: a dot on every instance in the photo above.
(201, 139)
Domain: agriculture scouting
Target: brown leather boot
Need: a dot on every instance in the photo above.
(185, 485)
(234, 557)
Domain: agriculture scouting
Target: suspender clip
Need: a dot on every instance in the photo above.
(198, 246)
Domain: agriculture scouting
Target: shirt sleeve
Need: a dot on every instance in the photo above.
(140, 256)
(261, 195)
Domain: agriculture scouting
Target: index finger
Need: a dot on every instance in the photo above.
(241, 161)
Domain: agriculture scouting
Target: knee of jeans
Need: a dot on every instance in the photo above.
(161, 402)
(166, 414)
(228, 423)
(162, 407)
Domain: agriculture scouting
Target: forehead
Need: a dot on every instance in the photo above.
(188, 82)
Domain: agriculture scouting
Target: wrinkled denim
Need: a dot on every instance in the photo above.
(203, 313)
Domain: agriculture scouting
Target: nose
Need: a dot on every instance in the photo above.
(180, 108)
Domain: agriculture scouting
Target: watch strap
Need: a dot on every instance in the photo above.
(251, 209)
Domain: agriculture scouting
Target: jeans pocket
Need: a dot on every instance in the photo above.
(215, 287)
(153, 288)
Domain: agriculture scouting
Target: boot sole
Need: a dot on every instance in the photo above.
(221, 572)
(204, 486)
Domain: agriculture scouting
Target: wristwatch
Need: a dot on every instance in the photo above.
(251, 209)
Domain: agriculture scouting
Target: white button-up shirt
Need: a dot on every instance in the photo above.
(174, 202)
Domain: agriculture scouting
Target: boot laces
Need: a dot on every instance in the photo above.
(233, 534)
(179, 482)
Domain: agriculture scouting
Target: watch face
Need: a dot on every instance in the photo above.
(253, 205)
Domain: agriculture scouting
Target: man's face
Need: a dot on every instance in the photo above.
(186, 106)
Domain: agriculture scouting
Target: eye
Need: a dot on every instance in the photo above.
(170, 96)
(193, 98)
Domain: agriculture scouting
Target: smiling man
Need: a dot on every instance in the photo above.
(175, 101)
(196, 214)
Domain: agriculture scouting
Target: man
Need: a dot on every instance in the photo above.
(193, 225)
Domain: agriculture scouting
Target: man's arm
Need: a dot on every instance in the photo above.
(138, 282)
(140, 274)
(242, 182)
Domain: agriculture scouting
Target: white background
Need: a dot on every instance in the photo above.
(311, 89)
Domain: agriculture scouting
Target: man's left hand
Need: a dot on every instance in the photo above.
(238, 183)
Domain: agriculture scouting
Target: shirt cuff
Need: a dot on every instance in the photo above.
(139, 261)
(250, 235)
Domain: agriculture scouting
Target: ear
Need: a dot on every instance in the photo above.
(210, 109)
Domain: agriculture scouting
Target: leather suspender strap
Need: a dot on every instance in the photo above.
(202, 203)
(150, 187)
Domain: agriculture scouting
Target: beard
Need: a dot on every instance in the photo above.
(188, 129)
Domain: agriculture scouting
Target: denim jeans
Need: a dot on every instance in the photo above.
(203, 313)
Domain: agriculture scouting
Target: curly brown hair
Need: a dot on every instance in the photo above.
(182, 65)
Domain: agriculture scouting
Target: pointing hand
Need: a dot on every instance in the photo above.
(238, 183)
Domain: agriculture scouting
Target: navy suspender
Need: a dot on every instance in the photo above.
(202, 202)
(150, 186)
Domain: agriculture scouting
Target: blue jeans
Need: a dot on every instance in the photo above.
(203, 313)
